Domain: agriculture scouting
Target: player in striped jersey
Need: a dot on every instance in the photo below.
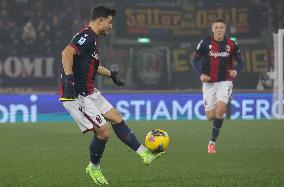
(213, 62)
(85, 103)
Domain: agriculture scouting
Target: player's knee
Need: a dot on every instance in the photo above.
(220, 112)
(104, 132)
(210, 118)
(210, 115)
(221, 106)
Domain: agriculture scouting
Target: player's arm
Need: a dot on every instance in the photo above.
(67, 59)
(103, 71)
(67, 78)
(240, 62)
(195, 62)
(239, 59)
(111, 74)
(79, 43)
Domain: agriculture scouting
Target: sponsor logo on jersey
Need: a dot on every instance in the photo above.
(81, 41)
(221, 54)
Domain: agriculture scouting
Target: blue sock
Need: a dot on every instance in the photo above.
(127, 136)
(217, 124)
(97, 148)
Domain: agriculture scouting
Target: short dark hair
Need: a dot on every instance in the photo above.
(101, 12)
(219, 20)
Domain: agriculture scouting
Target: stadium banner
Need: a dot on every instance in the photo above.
(165, 106)
(141, 67)
(189, 21)
(28, 72)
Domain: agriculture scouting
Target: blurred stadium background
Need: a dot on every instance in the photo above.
(150, 45)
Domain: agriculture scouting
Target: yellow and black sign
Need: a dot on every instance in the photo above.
(184, 22)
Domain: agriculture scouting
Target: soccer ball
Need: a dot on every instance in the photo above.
(157, 140)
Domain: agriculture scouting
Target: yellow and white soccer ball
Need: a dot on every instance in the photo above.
(157, 140)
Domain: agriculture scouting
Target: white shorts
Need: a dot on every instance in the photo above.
(87, 111)
(216, 91)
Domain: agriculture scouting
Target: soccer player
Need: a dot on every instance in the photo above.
(213, 62)
(85, 103)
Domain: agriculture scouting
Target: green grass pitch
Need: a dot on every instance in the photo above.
(249, 153)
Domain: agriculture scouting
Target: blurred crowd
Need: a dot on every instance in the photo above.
(45, 26)
(41, 28)
(36, 26)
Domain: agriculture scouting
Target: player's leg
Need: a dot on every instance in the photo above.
(120, 128)
(210, 114)
(127, 136)
(210, 99)
(218, 121)
(101, 136)
(217, 124)
(88, 118)
(211, 117)
(97, 147)
(122, 131)
(91, 120)
(223, 95)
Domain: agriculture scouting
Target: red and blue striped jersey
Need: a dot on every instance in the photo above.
(217, 58)
(86, 60)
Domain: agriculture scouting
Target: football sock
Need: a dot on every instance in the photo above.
(217, 124)
(211, 142)
(97, 148)
(95, 166)
(127, 136)
(141, 149)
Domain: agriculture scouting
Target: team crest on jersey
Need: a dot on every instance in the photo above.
(95, 55)
(227, 48)
(210, 46)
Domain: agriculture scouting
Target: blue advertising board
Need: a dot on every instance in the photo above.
(165, 106)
